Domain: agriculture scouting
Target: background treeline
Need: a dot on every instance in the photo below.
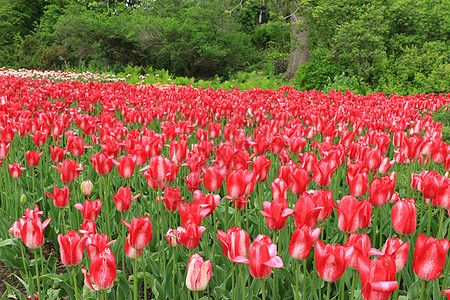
(394, 46)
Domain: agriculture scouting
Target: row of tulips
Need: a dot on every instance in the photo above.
(248, 161)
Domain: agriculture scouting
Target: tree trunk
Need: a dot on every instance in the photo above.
(299, 45)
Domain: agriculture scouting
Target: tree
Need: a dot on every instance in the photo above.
(299, 53)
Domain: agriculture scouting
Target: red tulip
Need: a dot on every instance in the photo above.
(96, 244)
(88, 228)
(60, 197)
(123, 198)
(373, 159)
(302, 241)
(208, 202)
(75, 145)
(213, 178)
(382, 189)
(130, 251)
(193, 181)
(443, 193)
(262, 255)
(236, 183)
(193, 212)
(178, 150)
(140, 231)
(306, 211)
(214, 129)
(429, 257)
(39, 138)
(125, 166)
(399, 250)
(198, 273)
(404, 214)
(4, 147)
(377, 277)
(32, 231)
(172, 198)
(360, 243)
(323, 171)
(299, 181)
(89, 209)
(69, 169)
(279, 188)
(365, 216)
(234, 243)
(331, 260)
(33, 157)
(429, 183)
(276, 213)
(15, 170)
(71, 248)
(261, 165)
(158, 168)
(323, 199)
(447, 292)
(173, 238)
(349, 213)
(103, 163)
(102, 270)
(190, 236)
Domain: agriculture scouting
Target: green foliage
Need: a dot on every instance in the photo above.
(393, 46)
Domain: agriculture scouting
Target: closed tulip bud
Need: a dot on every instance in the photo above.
(404, 214)
(429, 257)
(125, 166)
(382, 189)
(323, 171)
(399, 250)
(213, 178)
(86, 187)
(331, 260)
(302, 241)
(23, 199)
(198, 273)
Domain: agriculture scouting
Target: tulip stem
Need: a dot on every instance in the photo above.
(23, 261)
(263, 289)
(297, 280)
(135, 275)
(75, 282)
(429, 218)
(174, 270)
(63, 220)
(422, 290)
(196, 295)
(441, 220)
(328, 290)
(242, 281)
(374, 226)
(232, 282)
(399, 282)
(381, 226)
(37, 274)
(261, 207)
(304, 280)
(445, 282)
(352, 293)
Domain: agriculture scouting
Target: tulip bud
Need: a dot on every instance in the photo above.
(198, 273)
(23, 199)
(173, 238)
(86, 187)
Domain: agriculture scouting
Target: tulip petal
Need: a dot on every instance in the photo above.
(274, 262)
(384, 286)
(240, 260)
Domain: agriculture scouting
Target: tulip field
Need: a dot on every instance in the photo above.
(116, 191)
